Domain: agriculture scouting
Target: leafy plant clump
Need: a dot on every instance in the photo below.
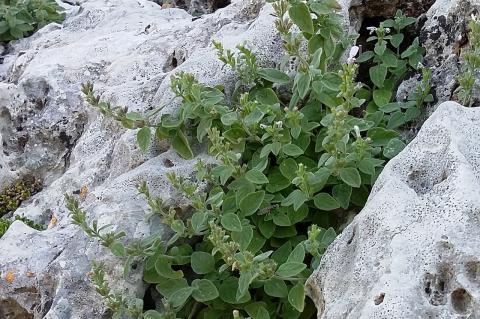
(470, 63)
(5, 223)
(12, 196)
(21, 18)
(290, 166)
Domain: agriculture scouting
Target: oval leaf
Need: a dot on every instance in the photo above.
(325, 201)
(204, 290)
(202, 262)
(351, 176)
(144, 135)
(251, 203)
(181, 145)
(296, 297)
(179, 297)
(300, 15)
(290, 269)
(274, 75)
(276, 288)
(256, 177)
(292, 150)
(231, 222)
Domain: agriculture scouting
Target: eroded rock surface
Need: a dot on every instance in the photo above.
(129, 49)
(413, 251)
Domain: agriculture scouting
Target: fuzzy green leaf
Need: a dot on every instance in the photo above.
(204, 290)
(181, 145)
(244, 237)
(274, 75)
(350, 176)
(296, 297)
(179, 297)
(300, 15)
(381, 136)
(290, 269)
(257, 311)
(325, 201)
(251, 203)
(296, 198)
(393, 147)
(231, 222)
(152, 314)
(144, 136)
(202, 262)
(292, 150)
(166, 287)
(378, 74)
(256, 177)
(244, 282)
(164, 268)
(382, 97)
(297, 254)
(276, 288)
(342, 193)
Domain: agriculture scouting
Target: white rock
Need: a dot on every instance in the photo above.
(47, 130)
(413, 251)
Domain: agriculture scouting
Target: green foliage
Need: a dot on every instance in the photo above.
(470, 61)
(284, 163)
(5, 223)
(30, 223)
(12, 196)
(21, 18)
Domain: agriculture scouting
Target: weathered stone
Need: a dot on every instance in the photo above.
(413, 251)
(128, 49)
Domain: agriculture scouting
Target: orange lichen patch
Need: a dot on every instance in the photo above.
(29, 274)
(10, 276)
(53, 222)
(83, 192)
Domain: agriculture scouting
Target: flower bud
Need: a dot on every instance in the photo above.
(357, 131)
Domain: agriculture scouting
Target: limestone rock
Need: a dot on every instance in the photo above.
(128, 49)
(413, 251)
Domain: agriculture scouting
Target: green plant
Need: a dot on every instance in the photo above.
(12, 196)
(21, 18)
(288, 167)
(470, 62)
(5, 223)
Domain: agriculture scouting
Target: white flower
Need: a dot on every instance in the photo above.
(357, 131)
(279, 124)
(474, 17)
(372, 29)
(420, 65)
(353, 53)
(387, 30)
(263, 126)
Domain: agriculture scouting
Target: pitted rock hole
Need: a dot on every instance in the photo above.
(379, 299)
(462, 301)
(435, 285)
(473, 271)
(10, 309)
(175, 60)
(422, 182)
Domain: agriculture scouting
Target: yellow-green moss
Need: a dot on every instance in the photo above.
(12, 196)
